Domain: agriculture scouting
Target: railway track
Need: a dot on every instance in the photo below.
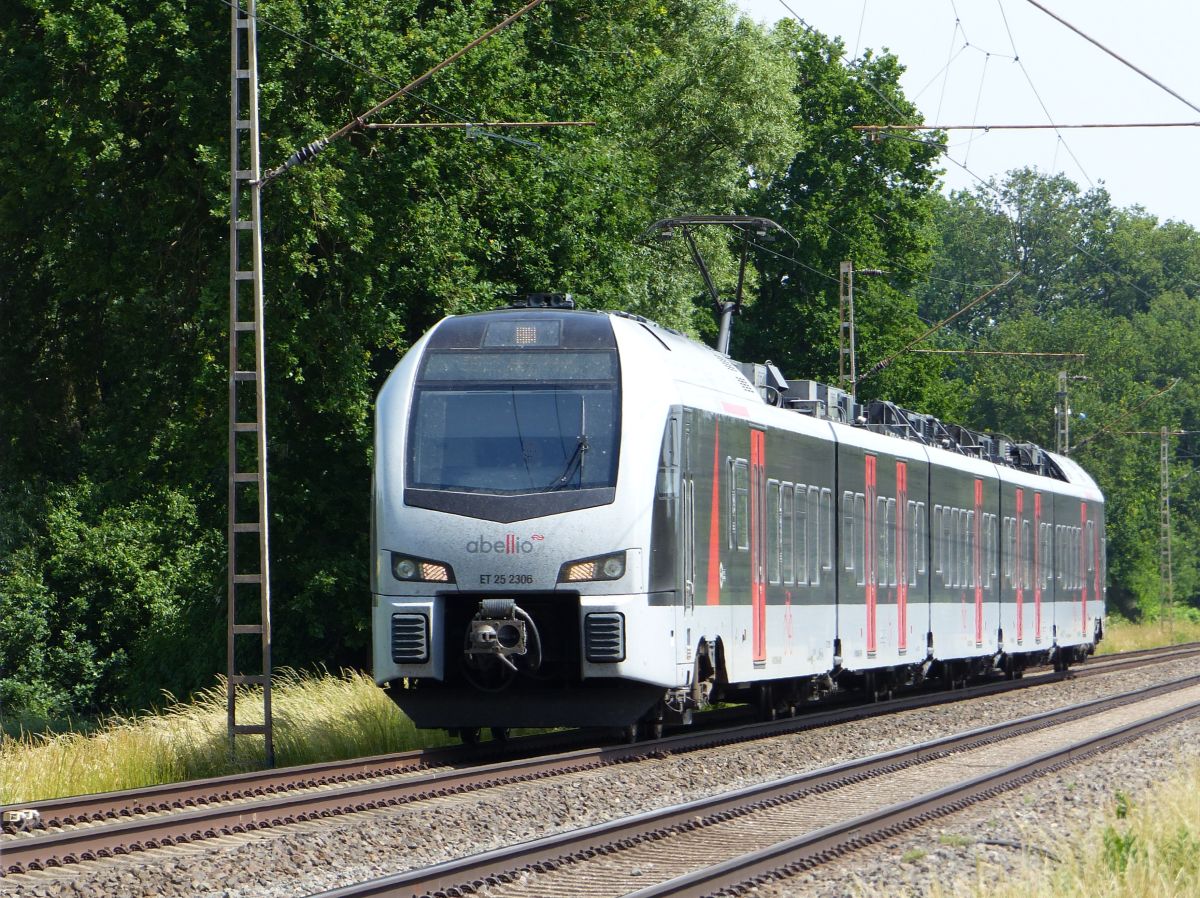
(66, 831)
(742, 838)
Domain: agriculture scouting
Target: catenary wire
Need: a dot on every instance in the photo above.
(325, 51)
(609, 183)
(951, 56)
(986, 184)
(308, 152)
(1114, 55)
(978, 99)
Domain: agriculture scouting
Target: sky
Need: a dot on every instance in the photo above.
(1006, 62)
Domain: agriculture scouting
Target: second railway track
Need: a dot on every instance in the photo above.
(769, 830)
(172, 815)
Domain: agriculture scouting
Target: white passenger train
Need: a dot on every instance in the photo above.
(582, 518)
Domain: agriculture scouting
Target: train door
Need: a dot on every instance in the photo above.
(687, 516)
(1040, 562)
(901, 557)
(689, 545)
(758, 544)
(871, 554)
(975, 522)
(1086, 565)
(685, 594)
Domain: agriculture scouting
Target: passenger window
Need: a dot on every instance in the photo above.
(827, 530)
(848, 530)
(882, 559)
(1026, 554)
(1091, 546)
(939, 551)
(964, 548)
(910, 522)
(993, 549)
(972, 577)
(1058, 553)
(802, 535)
(787, 544)
(922, 540)
(860, 548)
(952, 573)
(892, 524)
(1009, 543)
(819, 541)
(740, 503)
(774, 527)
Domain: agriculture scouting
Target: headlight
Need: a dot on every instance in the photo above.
(405, 567)
(602, 567)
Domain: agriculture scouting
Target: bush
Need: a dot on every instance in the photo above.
(105, 604)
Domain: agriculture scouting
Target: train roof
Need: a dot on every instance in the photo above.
(818, 400)
(764, 383)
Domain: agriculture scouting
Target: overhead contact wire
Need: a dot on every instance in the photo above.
(879, 366)
(1115, 55)
(326, 52)
(306, 153)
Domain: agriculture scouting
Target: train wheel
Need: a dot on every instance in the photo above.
(766, 703)
(652, 729)
(501, 734)
(878, 686)
(630, 733)
(469, 735)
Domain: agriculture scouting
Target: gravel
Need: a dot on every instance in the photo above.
(1028, 828)
(936, 860)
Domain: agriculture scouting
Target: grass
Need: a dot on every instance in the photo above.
(1126, 636)
(1147, 847)
(955, 840)
(316, 717)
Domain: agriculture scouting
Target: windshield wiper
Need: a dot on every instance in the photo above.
(576, 459)
(574, 465)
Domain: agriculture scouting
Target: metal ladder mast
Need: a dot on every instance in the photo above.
(1164, 528)
(846, 329)
(1062, 417)
(248, 581)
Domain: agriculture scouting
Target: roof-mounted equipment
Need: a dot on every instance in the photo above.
(543, 301)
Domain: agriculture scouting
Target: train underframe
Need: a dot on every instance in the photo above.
(516, 663)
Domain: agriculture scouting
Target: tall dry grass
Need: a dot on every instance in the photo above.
(1147, 847)
(316, 717)
(1126, 636)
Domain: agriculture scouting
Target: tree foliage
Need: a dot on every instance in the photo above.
(114, 279)
(114, 262)
(846, 197)
(1115, 285)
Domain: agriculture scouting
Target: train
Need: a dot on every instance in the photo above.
(585, 519)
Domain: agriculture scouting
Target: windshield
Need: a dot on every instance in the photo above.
(515, 422)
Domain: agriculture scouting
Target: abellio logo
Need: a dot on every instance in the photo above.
(510, 545)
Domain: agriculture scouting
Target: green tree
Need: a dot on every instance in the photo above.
(113, 280)
(842, 197)
(1110, 283)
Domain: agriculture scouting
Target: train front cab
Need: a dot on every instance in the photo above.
(589, 633)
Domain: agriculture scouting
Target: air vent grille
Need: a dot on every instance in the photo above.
(604, 636)
(410, 638)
